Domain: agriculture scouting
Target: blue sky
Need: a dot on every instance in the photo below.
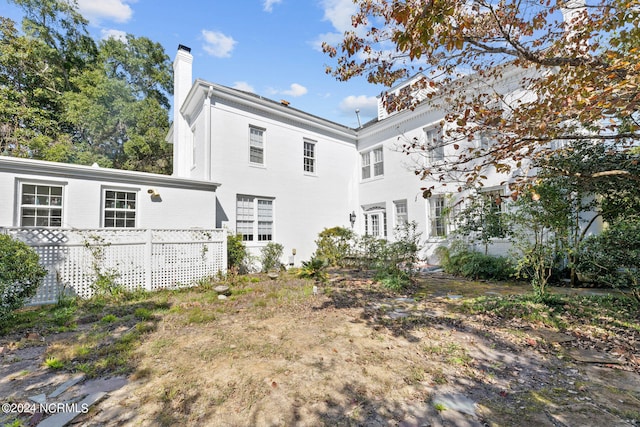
(269, 47)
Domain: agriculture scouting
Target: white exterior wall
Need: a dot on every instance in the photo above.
(180, 204)
(303, 203)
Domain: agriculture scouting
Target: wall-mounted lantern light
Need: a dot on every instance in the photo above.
(352, 218)
(153, 192)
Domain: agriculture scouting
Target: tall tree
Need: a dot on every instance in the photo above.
(572, 68)
(120, 111)
(67, 99)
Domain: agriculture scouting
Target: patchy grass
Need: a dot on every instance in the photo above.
(273, 353)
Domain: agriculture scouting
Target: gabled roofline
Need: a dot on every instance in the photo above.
(66, 170)
(201, 88)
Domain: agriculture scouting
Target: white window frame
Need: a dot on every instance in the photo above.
(437, 220)
(484, 140)
(45, 207)
(309, 156)
(375, 221)
(434, 143)
(254, 146)
(372, 163)
(401, 212)
(124, 207)
(366, 165)
(254, 221)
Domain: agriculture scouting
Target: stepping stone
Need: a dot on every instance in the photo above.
(585, 415)
(61, 419)
(551, 336)
(39, 398)
(66, 385)
(592, 356)
(456, 402)
(106, 385)
(398, 314)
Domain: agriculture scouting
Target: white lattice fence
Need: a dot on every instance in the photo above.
(135, 258)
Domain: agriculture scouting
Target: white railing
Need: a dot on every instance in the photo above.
(132, 258)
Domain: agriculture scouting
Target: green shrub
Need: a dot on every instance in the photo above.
(270, 256)
(237, 255)
(613, 257)
(334, 245)
(20, 274)
(314, 269)
(475, 265)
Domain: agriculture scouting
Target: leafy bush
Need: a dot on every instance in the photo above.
(237, 255)
(475, 265)
(270, 256)
(334, 245)
(613, 257)
(20, 274)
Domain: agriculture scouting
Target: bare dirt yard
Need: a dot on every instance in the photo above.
(446, 352)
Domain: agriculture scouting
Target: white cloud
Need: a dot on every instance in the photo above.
(339, 13)
(268, 5)
(295, 90)
(113, 34)
(244, 86)
(109, 10)
(330, 38)
(368, 105)
(218, 44)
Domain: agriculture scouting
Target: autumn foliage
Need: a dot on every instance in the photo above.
(525, 72)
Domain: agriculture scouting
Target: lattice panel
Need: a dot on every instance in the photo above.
(177, 265)
(152, 259)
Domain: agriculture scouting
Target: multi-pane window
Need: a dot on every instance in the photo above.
(401, 212)
(265, 220)
(245, 217)
(434, 144)
(375, 224)
(438, 217)
(377, 158)
(41, 205)
(484, 140)
(309, 156)
(492, 220)
(366, 165)
(119, 209)
(254, 218)
(256, 145)
(378, 162)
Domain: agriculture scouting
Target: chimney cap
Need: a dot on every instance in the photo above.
(185, 48)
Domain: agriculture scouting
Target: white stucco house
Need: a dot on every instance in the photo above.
(58, 195)
(286, 174)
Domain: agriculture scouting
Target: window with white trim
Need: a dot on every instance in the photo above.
(119, 209)
(438, 217)
(256, 145)
(309, 156)
(40, 205)
(254, 218)
(433, 137)
(366, 165)
(401, 212)
(485, 139)
(375, 221)
(372, 163)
